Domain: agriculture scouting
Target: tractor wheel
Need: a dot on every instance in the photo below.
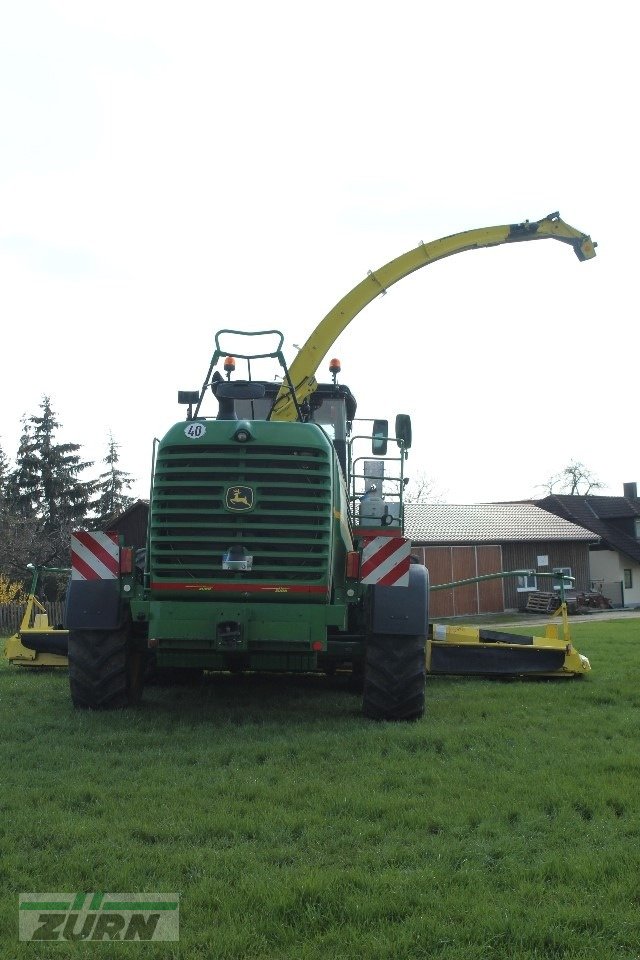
(105, 671)
(355, 680)
(394, 678)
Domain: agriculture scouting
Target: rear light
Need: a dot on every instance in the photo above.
(352, 566)
(317, 645)
(126, 560)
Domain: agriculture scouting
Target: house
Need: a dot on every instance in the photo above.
(615, 558)
(457, 542)
(131, 523)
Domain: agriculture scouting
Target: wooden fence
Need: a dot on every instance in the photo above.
(11, 615)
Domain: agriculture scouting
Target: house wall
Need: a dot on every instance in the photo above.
(605, 565)
(609, 565)
(133, 525)
(524, 556)
(447, 563)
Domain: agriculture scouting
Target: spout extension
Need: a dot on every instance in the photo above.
(553, 226)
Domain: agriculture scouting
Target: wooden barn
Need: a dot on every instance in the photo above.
(457, 542)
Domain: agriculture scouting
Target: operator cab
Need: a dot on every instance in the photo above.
(332, 406)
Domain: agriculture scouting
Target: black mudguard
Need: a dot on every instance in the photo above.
(402, 611)
(93, 605)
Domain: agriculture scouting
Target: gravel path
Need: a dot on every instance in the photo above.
(580, 618)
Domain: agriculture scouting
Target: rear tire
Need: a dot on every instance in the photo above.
(105, 671)
(394, 678)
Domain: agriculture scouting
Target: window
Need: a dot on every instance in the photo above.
(637, 528)
(331, 415)
(628, 580)
(527, 582)
(566, 572)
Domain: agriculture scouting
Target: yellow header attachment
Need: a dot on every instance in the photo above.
(310, 357)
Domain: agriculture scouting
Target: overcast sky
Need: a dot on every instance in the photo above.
(169, 169)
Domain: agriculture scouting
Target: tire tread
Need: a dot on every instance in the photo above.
(103, 672)
(395, 672)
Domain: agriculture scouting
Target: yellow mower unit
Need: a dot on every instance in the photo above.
(469, 650)
(475, 651)
(37, 643)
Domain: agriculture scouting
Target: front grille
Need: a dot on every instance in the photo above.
(287, 531)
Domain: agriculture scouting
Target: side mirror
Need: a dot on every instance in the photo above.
(188, 398)
(403, 429)
(380, 437)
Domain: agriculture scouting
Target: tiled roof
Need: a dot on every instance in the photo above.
(613, 507)
(488, 523)
(596, 514)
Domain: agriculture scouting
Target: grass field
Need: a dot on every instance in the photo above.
(503, 825)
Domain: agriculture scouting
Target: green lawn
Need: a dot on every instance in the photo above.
(503, 825)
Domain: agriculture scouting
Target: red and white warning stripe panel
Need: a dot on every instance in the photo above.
(385, 561)
(94, 556)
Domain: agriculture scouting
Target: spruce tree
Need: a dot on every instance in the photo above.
(4, 474)
(111, 486)
(21, 534)
(5, 511)
(47, 484)
(23, 484)
(65, 496)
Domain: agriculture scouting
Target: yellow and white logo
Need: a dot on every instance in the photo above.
(239, 498)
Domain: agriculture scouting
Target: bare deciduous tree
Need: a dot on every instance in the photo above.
(576, 479)
(422, 489)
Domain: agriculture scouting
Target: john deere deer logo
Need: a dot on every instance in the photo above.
(239, 498)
